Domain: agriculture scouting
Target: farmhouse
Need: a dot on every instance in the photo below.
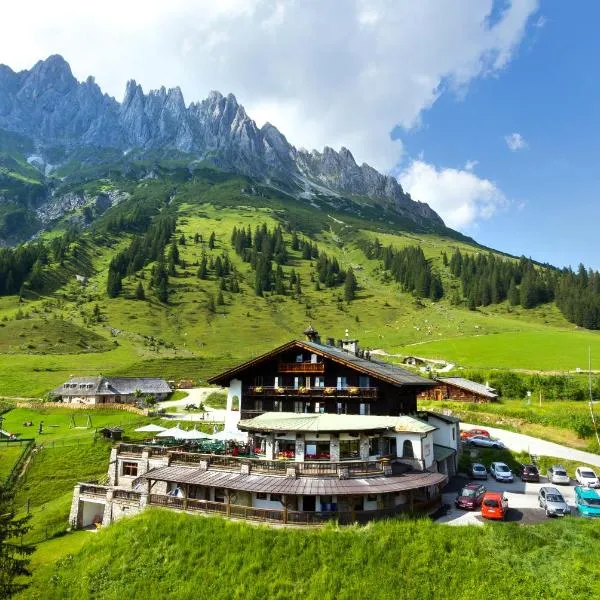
(458, 388)
(103, 390)
(331, 435)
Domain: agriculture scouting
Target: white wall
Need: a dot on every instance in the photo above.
(256, 503)
(232, 417)
(427, 445)
(443, 434)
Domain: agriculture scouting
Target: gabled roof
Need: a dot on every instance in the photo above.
(470, 386)
(108, 386)
(380, 370)
(323, 422)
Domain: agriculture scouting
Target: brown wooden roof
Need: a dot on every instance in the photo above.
(307, 486)
(380, 370)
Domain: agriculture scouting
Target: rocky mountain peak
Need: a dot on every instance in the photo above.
(49, 105)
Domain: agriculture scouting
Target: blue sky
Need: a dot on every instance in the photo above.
(548, 94)
(451, 79)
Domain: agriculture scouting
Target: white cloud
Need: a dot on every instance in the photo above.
(515, 141)
(471, 164)
(459, 196)
(322, 72)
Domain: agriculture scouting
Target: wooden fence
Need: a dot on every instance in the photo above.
(13, 476)
(109, 405)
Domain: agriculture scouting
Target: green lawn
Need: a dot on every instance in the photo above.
(178, 555)
(550, 350)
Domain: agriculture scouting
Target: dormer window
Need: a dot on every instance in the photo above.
(299, 358)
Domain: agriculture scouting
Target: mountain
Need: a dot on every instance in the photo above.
(48, 105)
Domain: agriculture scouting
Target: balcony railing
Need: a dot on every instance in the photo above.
(314, 392)
(283, 516)
(93, 490)
(301, 367)
(127, 495)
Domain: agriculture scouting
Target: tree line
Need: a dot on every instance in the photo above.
(409, 267)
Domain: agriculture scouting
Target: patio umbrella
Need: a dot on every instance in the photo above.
(175, 432)
(225, 435)
(194, 434)
(151, 428)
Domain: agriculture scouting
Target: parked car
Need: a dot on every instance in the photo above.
(494, 506)
(552, 501)
(586, 477)
(470, 497)
(484, 442)
(478, 471)
(501, 472)
(529, 473)
(587, 501)
(467, 433)
(558, 474)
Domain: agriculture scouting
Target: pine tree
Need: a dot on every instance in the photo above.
(14, 554)
(203, 270)
(140, 294)
(513, 293)
(196, 238)
(350, 286)
(113, 283)
(210, 304)
(220, 299)
(212, 241)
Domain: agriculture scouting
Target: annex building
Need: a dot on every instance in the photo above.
(332, 435)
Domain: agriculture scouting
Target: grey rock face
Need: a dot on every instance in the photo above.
(49, 105)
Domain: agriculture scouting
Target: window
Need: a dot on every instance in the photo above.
(407, 449)
(276, 382)
(277, 405)
(275, 497)
(374, 446)
(219, 495)
(319, 382)
(453, 434)
(365, 409)
(342, 383)
(299, 358)
(258, 405)
(298, 382)
(371, 497)
(341, 408)
(130, 469)
(317, 407)
(298, 406)
(364, 381)
(349, 449)
(261, 496)
(313, 358)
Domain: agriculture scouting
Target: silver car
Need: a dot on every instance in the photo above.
(484, 442)
(552, 501)
(478, 471)
(558, 474)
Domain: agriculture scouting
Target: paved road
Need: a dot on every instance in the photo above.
(525, 443)
(195, 396)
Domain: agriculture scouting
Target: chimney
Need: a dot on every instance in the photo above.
(349, 345)
(312, 334)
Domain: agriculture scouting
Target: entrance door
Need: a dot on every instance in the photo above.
(309, 503)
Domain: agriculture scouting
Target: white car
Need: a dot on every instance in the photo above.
(586, 477)
(500, 472)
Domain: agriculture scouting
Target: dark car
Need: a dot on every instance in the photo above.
(529, 473)
(470, 496)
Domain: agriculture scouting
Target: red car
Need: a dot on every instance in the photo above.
(471, 432)
(494, 506)
(471, 496)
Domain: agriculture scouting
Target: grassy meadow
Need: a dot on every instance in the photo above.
(162, 554)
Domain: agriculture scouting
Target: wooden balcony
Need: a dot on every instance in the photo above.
(301, 367)
(314, 392)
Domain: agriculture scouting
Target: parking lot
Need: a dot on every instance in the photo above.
(522, 501)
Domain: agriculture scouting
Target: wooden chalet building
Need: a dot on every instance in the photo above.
(459, 389)
(333, 435)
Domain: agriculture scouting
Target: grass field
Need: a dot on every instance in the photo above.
(177, 555)
(9, 455)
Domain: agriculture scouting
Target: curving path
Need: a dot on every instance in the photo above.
(526, 443)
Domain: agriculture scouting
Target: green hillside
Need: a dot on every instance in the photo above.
(160, 554)
(57, 326)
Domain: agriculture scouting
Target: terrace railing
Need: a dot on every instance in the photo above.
(301, 367)
(127, 495)
(93, 490)
(284, 516)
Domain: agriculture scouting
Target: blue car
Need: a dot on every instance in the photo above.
(587, 501)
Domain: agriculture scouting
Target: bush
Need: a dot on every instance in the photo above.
(216, 400)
